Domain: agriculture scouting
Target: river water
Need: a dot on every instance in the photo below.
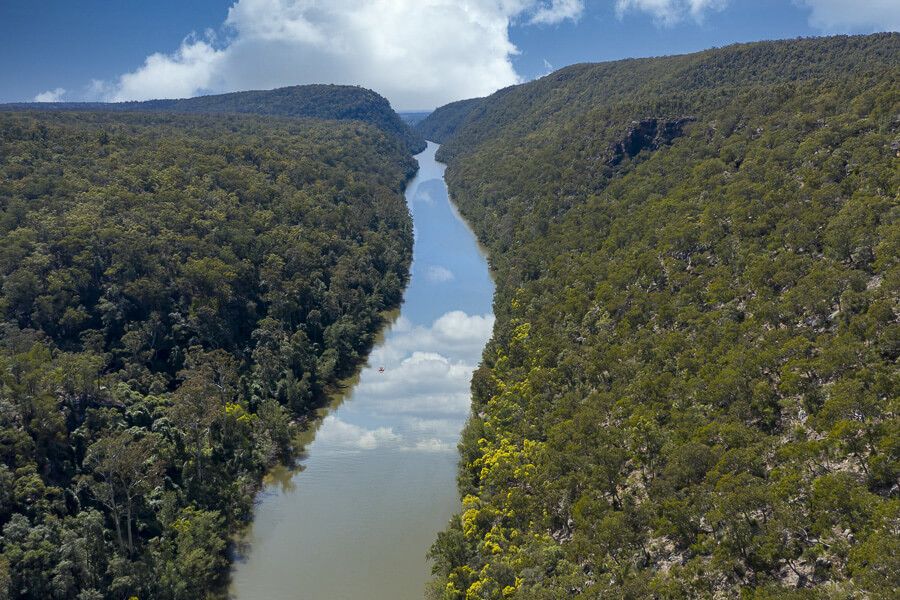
(377, 480)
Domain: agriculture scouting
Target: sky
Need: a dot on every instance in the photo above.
(418, 53)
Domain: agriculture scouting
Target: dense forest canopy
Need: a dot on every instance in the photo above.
(692, 390)
(337, 102)
(651, 86)
(177, 292)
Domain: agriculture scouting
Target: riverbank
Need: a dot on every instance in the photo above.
(377, 482)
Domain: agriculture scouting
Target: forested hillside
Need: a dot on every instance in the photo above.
(340, 102)
(177, 293)
(440, 125)
(692, 390)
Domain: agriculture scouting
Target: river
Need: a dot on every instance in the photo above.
(377, 479)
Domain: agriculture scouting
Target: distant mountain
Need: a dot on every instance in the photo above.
(691, 391)
(413, 117)
(441, 124)
(338, 102)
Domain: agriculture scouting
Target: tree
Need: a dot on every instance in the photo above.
(194, 547)
(196, 408)
(123, 467)
(5, 579)
(216, 369)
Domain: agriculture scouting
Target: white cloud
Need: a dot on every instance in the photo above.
(420, 401)
(418, 53)
(423, 195)
(430, 445)
(99, 89)
(853, 16)
(433, 428)
(337, 434)
(438, 274)
(424, 384)
(550, 13)
(51, 95)
(457, 326)
(427, 373)
(670, 12)
(455, 334)
(194, 67)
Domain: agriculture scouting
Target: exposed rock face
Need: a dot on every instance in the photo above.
(649, 134)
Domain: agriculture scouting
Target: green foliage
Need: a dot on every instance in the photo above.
(176, 294)
(692, 386)
(194, 553)
(332, 102)
(442, 124)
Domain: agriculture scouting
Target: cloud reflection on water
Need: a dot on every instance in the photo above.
(423, 392)
(340, 435)
(439, 274)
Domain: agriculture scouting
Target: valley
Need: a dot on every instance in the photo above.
(377, 477)
(626, 329)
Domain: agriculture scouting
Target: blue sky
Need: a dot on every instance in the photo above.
(601, 35)
(419, 53)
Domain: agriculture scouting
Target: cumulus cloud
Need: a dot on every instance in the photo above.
(51, 95)
(458, 327)
(670, 12)
(438, 274)
(418, 53)
(860, 15)
(192, 68)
